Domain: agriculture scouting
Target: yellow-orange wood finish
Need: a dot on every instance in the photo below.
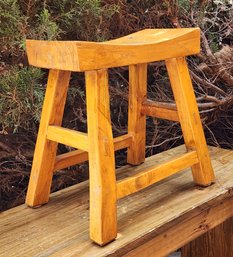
(98, 145)
(160, 110)
(190, 119)
(78, 156)
(103, 223)
(45, 152)
(145, 46)
(136, 119)
(148, 177)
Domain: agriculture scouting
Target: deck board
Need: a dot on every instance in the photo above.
(60, 228)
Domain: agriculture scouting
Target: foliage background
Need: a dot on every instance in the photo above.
(22, 87)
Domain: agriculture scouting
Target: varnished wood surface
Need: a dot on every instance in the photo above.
(78, 156)
(102, 178)
(45, 151)
(154, 174)
(137, 120)
(145, 46)
(160, 110)
(68, 137)
(173, 211)
(189, 117)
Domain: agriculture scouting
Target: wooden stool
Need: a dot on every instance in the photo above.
(98, 145)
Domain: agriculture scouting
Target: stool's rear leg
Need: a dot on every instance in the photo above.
(103, 220)
(45, 151)
(190, 119)
(136, 119)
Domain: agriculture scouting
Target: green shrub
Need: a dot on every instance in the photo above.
(21, 97)
(49, 20)
(86, 20)
(20, 87)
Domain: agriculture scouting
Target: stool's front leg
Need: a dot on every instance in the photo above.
(45, 151)
(103, 221)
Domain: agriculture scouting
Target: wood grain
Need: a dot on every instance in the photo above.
(45, 151)
(190, 119)
(103, 220)
(136, 119)
(192, 228)
(141, 233)
(160, 110)
(65, 160)
(175, 211)
(145, 46)
(78, 156)
(214, 243)
(147, 177)
(68, 137)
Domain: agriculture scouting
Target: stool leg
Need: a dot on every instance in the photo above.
(103, 220)
(137, 120)
(190, 119)
(45, 151)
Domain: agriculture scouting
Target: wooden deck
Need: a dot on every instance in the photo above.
(152, 222)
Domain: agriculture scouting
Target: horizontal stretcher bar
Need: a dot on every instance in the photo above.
(148, 177)
(68, 137)
(78, 156)
(160, 110)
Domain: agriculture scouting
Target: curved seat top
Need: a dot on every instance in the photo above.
(145, 46)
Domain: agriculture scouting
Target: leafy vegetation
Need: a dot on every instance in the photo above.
(21, 97)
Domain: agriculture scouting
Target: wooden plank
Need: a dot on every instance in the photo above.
(190, 119)
(192, 228)
(45, 151)
(78, 156)
(68, 137)
(137, 120)
(122, 142)
(145, 46)
(61, 227)
(148, 177)
(160, 110)
(215, 243)
(71, 158)
(103, 220)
